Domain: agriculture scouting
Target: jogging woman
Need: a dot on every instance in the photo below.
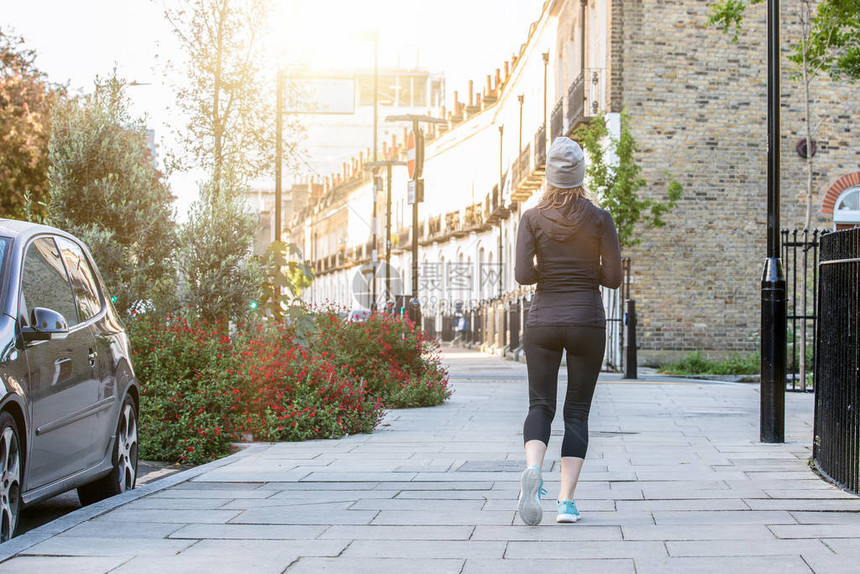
(569, 247)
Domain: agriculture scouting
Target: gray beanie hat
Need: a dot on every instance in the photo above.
(565, 164)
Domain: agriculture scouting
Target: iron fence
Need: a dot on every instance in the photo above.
(501, 323)
(613, 305)
(800, 262)
(836, 449)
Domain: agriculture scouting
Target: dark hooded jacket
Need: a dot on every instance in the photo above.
(577, 251)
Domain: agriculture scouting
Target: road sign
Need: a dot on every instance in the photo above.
(415, 154)
(415, 191)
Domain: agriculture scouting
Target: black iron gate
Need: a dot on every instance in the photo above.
(800, 262)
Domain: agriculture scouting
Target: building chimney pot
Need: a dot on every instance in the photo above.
(471, 92)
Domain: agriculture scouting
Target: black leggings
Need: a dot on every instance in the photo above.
(544, 345)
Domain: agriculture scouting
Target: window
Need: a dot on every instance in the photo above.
(847, 210)
(82, 279)
(45, 283)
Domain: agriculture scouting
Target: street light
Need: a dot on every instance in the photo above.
(499, 197)
(388, 164)
(415, 119)
(773, 305)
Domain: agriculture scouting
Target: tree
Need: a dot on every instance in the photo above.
(229, 111)
(829, 43)
(221, 280)
(285, 276)
(105, 188)
(618, 185)
(25, 128)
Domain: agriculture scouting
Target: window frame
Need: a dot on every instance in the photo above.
(846, 216)
(23, 307)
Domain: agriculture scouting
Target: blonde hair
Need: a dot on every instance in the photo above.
(555, 197)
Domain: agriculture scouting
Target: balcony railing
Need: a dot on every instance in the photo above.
(473, 217)
(521, 168)
(494, 207)
(540, 147)
(575, 99)
(434, 226)
(586, 97)
(556, 123)
(452, 222)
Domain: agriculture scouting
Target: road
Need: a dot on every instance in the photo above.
(53, 508)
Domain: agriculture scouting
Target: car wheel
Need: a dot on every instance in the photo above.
(10, 483)
(124, 472)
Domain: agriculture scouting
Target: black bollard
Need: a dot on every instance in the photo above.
(630, 366)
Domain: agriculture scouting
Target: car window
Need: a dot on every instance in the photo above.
(3, 242)
(44, 281)
(82, 278)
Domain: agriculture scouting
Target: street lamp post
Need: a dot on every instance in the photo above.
(387, 164)
(499, 197)
(279, 128)
(773, 305)
(373, 251)
(415, 120)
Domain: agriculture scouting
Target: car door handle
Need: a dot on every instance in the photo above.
(92, 356)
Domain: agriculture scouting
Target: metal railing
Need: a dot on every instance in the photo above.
(836, 448)
(800, 263)
(501, 323)
(586, 96)
(522, 167)
(575, 102)
(556, 123)
(540, 147)
(613, 307)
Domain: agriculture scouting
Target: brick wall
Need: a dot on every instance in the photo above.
(698, 110)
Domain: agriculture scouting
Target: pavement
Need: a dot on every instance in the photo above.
(675, 481)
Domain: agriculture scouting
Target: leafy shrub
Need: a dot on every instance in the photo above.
(303, 396)
(396, 359)
(697, 364)
(203, 389)
(190, 381)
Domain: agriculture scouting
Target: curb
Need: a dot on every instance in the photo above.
(15, 546)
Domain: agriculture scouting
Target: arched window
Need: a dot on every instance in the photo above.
(846, 211)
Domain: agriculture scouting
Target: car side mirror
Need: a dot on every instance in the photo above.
(45, 324)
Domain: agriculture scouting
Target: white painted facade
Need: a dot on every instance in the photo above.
(462, 166)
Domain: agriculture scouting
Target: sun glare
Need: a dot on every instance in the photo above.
(338, 36)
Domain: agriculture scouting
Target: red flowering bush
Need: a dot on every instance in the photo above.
(203, 389)
(190, 381)
(303, 396)
(397, 360)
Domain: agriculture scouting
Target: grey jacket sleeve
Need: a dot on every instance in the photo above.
(524, 268)
(610, 255)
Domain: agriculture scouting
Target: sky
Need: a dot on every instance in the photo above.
(77, 41)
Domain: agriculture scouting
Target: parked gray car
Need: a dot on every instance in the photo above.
(68, 396)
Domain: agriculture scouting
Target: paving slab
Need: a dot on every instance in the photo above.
(580, 566)
(675, 481)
